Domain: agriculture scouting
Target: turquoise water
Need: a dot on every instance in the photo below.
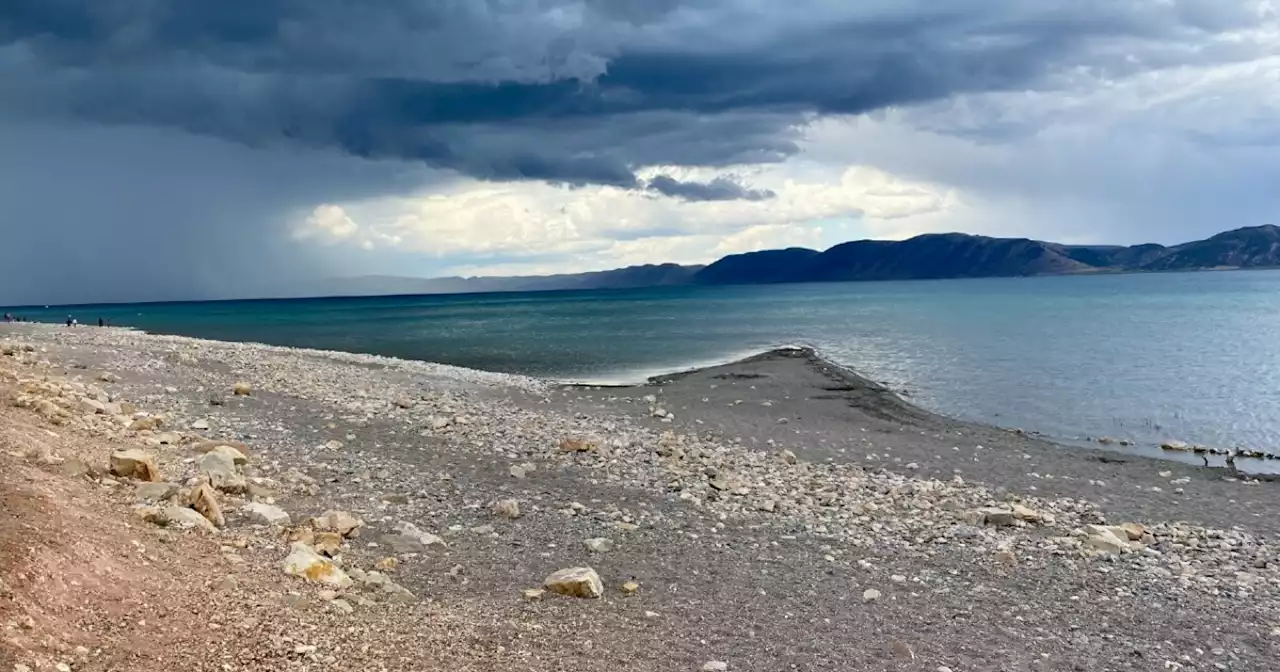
(1192, 356)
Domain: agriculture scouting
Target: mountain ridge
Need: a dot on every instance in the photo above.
(927, 256)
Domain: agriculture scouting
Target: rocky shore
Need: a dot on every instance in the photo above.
(227, 506)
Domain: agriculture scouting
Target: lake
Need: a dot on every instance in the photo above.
(1148, 357)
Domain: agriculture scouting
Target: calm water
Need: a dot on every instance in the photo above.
(1188, 356)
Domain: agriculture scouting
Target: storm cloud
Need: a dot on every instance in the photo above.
(416, 80)
(257, 112)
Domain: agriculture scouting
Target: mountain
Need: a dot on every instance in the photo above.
(935, 255)
(958, 255)
(1242, 248)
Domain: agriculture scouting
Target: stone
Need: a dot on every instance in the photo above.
(1027, 514)
(93, 407)
(242, 389)
(327, 543)
(200, 425)
(410, 539)
(507, 508)
(155, 492)
(575, 582)
(991, 515)
(341, 522)
(1133, 531)
(239, 446)
(404, 402)
(571, 445)
(870, 595)
(149, 423)
(1179, 446)
(220, 469)
(168, 438)
(1106, 540)
(1006, 557)
(482, 529)
(517, 472)
(134, 463)
(787, 456)
(533, 594)
(341, 606)
(385, 564)
(304, 562)
(237, 456)
(599, 545)
(182, 518)
(203, 499)
(267, 514)
(228, 584)
(715, 666)
(398, 500)
(630, 588)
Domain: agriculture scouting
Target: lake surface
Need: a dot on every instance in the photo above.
(1192, 356)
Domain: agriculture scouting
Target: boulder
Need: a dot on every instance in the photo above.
(239, 446)
(92, 407)
(575, 582)
(220, 469)
(267, 514)
(134, 463)
(204, 500)
(304, 562)
(1133, 531)
(1030, 515)
(1175, 445)
(787, 456)
(238, 457)
(341, 522)
(242, 389)
(156, 492)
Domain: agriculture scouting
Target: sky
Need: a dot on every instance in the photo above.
(165, 149)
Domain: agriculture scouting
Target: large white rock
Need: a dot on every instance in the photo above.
(304, 562)
(575, 582)
(220, 468)
(267, 514)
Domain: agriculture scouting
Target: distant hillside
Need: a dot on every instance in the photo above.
(958, 255)
(945, 255)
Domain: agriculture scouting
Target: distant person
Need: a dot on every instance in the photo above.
(8, 317)
(70, 321)
(101, 323)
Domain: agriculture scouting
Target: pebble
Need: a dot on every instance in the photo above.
(715, 666)
(870, 595)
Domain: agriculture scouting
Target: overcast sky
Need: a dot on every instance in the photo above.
(154, 149)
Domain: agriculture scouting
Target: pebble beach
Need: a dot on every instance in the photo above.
(171, 501)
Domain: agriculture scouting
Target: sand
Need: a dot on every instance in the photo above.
(862, 552)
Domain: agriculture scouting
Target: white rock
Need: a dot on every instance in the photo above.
(304, 562)
(268, 514)
(220, 468)
(870, 595)
(715, 666)
(200, 425)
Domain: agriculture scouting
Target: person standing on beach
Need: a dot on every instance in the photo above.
(70, 321)
(101, 323)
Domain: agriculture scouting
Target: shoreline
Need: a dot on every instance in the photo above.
(730, 513)
(1256, 463)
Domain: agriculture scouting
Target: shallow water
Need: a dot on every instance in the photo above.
(1192, 356)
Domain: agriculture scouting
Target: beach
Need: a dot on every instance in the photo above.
(775, 513)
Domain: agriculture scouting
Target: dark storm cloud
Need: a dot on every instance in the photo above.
(719, 189)
(442, 82)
